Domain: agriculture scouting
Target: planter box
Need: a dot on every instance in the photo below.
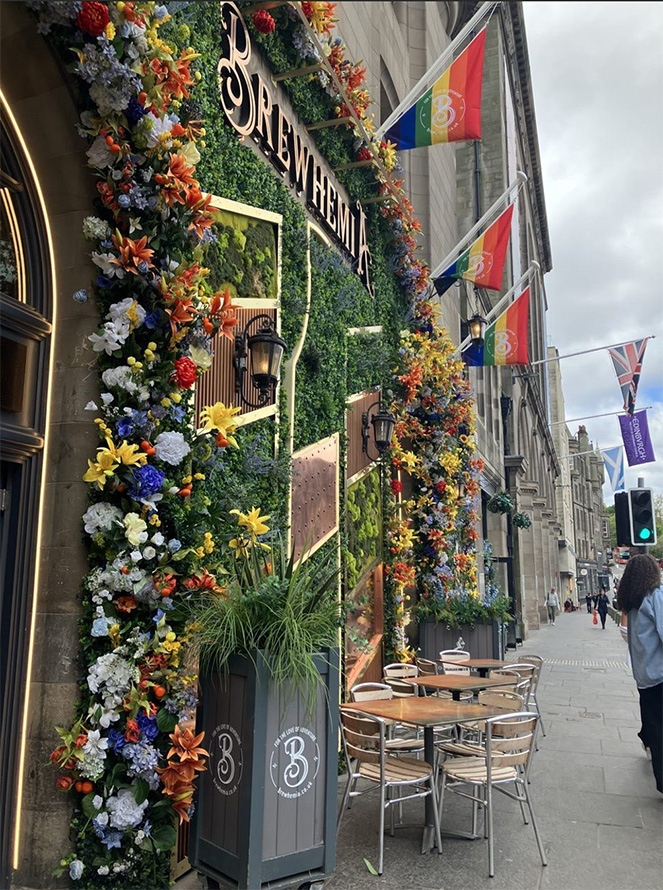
(266, 806)
(482, 641)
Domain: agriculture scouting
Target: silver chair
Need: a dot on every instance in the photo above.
(537, 662)
(364, 739)
(509, 743)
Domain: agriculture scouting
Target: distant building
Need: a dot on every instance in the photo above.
(590, 518)
(563, 487)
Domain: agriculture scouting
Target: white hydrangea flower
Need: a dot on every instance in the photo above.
(95, 229)
(171, 448)
(113, 673)
(99, 154)
(101, 517)
(124, 811)
(120, 377)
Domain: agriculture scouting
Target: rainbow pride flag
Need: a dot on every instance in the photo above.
(483, 261)
(450, 110)
(505, 341)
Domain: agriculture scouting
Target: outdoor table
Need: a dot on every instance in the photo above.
(481, 665)
(457, 683)
(427, 712)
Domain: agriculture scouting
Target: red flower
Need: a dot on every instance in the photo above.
(396, 486)
(64, 783)
(93, 18)
(132, 733)
(81, 740)
(185, 372)
(55, 756)
(263, 22)
(125, 604)
(440, 487)
(307, 9)
(364, 154)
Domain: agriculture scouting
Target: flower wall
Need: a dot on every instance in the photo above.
(161, 494)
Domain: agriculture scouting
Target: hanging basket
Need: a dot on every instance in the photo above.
(522, 520)
(501, 503)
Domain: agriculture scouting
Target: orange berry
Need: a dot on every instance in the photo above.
(159, 691)
(110, 142)
(87, 787)
(79, 786)
(185, 492)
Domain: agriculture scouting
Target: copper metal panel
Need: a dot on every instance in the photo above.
(314, 510)
(357, 459)
(218, 384)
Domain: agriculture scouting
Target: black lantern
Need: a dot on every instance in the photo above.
(477, 326)
(383, 428)
(265, 348)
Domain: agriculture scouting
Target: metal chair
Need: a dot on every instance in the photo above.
(448, 656)
(429, 668)
(508, 751)
(398, 670)
(364, 739)
(537, 662)
(378, 692)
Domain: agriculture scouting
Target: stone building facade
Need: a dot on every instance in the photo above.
(587, 478)
(563, 486)
(451, 187)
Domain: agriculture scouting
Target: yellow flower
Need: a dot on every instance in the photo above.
(102, 469)
(241, 546)
(409, 460)
(109, 30)
(218, 417)
(114, 634)
(253, 521)
(135, 529)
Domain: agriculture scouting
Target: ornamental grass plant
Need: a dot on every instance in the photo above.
(289, 610)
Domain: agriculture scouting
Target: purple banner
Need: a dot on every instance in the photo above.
(635, 435)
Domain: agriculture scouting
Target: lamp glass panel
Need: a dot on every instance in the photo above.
(382, 429)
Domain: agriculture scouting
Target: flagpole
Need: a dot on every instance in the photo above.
(556, 358)
(592, 451)
(517, 184)
(534, 269)
(590, 416)
(435, 68)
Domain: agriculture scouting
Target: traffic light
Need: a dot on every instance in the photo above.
(622, 520)
(641, 515)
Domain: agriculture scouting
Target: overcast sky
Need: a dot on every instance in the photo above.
(597, 74)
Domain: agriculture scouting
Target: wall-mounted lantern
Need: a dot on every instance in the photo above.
(265, 350)
(383, 429)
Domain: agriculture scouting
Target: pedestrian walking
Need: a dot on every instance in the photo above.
(588, 603)
(641, 597)
(552, 604)
(602, 606)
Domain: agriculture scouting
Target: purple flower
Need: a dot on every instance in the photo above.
(152, 320)
(148, 725)
(134, 111)
(124, 427)
(116, 740)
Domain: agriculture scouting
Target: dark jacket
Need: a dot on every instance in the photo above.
(603, 603)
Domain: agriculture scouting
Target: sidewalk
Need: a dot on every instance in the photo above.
(599, 813)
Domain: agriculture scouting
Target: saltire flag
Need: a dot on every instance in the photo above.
(613, 459)
(636, 439)
(450, 110)
(627, 360)
(483, 261)
(505, 340)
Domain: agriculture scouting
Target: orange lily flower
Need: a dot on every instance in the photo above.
(132, 252)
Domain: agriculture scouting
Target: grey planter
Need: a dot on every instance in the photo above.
(482, 641)
(266, 806)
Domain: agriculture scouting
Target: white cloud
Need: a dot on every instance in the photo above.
(597, 70)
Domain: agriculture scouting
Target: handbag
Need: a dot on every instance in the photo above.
(595, 617)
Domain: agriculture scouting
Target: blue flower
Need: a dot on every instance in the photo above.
(152, 320)
(124, 427)
(148, 481)
(100, 627)
(103, 281)
(174, 545)
(116, 740)
(134, 111)
(80, 296)
(148, 725)
(142, 267)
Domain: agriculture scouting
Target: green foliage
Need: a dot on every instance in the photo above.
(522, 520)
(364, 529)
(455, 611)
(288, 610)
(243, 259)
(501, 503)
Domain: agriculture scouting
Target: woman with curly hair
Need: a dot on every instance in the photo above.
(640, 595)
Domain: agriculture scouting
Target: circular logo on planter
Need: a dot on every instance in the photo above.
(294, 762)
(226, 759)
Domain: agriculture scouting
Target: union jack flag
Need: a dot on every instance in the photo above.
(628, 365)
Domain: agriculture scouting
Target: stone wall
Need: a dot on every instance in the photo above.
(47, 119)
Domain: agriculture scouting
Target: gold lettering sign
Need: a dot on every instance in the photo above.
(249, 108)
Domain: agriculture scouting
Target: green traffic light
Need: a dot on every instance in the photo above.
(645, 534)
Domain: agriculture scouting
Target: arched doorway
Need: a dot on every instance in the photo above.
(26, 319)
